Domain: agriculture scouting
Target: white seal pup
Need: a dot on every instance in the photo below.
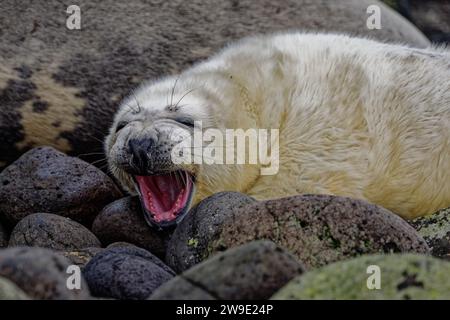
(356, 118)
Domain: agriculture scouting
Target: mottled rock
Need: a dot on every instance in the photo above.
(46, 180)
(125, 273)
(40, 273)
(9, 291)
(53, 232)
(81, 257)
(3, 237)
(120, 244)
(435, 229)
(189, 243)
(317, 229)
(253, 271)
(403, 276)
(123, 221)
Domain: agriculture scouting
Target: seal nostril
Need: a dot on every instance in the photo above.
(139, 148)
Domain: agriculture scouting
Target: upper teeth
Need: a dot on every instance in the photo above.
(177, 202)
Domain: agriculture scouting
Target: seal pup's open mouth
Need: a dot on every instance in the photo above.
(165, 198)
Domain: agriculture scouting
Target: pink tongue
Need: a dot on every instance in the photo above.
(164, 195)
(166, 189)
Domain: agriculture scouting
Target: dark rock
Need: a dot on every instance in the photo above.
(3, 237)
(403, 277)
(125, 273)
(40, 273)
(431, 16)
(253, 271)
(46, 180)
(53, 232)
(189, 243)
(123, 221)
(81, 257)
(317, 229)
(435, 229)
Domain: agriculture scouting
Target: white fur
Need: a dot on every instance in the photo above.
(357, 118)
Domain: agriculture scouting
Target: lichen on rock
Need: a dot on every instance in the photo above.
(402, 277)
(435, 229)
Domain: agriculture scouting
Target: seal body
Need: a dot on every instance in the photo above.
(356, 118)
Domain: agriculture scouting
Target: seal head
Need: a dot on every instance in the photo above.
(139, 148)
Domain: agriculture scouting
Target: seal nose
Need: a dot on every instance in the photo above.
(139, 149)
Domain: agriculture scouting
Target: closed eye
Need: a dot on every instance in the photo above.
(121, 125)
(188, 122)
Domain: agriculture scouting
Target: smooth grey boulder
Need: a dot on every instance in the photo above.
(40, 273)
(253, 271)
(52, 231)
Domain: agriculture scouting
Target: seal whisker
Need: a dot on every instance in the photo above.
(97, 139)
(131, 108)
(90, 154)
(190, 91)
(183, 179)
(137, 102)
(177, 177)
(97, 161)
(173, 89)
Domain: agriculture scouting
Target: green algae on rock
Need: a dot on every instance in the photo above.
(9, 291)
(402, 277)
